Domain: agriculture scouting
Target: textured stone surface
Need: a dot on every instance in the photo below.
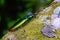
(11, 37)
(56, 23)
(56, 10)
(56, 0)
(48, 31)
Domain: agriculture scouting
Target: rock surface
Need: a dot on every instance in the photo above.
(11, 37)
(56, 17)
(56, 23)
(56, 0)
(48, 31)
(56, 10)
